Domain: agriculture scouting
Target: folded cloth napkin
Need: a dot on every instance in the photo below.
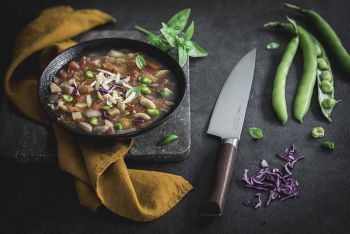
(100, 173)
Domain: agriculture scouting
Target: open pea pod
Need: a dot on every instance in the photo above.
(325, 82)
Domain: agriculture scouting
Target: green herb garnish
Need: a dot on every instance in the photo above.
(272, 46)
(137, 90)
(140, 62)
(328, 145)
(256, 133)
(168, 139)
(170, 37)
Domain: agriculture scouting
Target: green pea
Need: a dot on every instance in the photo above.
(168, 139)
(326, 86)
(318, 51)
(89, 74)
(67, 98)
(322, 64)
(317, 132)
(146, 80)
(328, 145)
(153, 112)
(164, 93)
(120, 61)
(118, 126)
(107, 107)
(329, 103)
(145, 90)
(326, 76)
(93, 121)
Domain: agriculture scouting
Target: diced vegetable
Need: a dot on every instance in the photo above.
(67, 98)
(77, 116)
(85, 126)
(100, 129)
(89, 74)
(68, 89)
(93, 121)
(118, 126)
(107, 107)
(164, 93)
(54, 88)
(145, 80)
(146, 90)
(92, 113)
(153, 112)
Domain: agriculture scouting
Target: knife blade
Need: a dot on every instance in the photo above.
(226, 122)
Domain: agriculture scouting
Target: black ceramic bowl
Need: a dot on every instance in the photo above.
(103, 46)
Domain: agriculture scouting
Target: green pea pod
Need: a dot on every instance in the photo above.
(324, 76)
(330, 38)
(279, 86)
(306, 85)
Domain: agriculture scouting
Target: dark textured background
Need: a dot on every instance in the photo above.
(41, 199)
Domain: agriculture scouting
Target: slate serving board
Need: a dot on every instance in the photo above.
(27, 141)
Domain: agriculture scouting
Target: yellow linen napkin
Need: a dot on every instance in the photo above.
(100, 173)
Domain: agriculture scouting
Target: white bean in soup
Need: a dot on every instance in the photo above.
(112, 93)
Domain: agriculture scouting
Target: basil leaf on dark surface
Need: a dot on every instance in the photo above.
(195, 50)
(256, 133)
(179, 20)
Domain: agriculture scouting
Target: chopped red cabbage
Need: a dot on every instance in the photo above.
(278, 183)
(254, 201)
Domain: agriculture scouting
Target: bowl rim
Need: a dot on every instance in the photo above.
(86, 44)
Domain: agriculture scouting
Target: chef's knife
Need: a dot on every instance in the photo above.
(226, 122)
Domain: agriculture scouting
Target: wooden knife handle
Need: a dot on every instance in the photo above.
(214, 206)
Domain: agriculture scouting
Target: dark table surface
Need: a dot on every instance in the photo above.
(39, 198)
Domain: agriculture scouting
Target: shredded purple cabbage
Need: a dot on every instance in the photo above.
(254, 201)
(278, 183)
(106, 115)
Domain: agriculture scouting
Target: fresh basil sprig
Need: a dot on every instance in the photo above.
(171, 37)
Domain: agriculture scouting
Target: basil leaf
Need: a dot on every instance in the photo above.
(189, 32)
(168, 139)
(169, 35)
(328, 145)
(256, 133)
(179, 20)
(136, 90)
(183, 56)
(159, 42)
(140, 62)
(194, 50)
(272, 46)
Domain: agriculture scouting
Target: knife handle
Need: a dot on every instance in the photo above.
(214, 206)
